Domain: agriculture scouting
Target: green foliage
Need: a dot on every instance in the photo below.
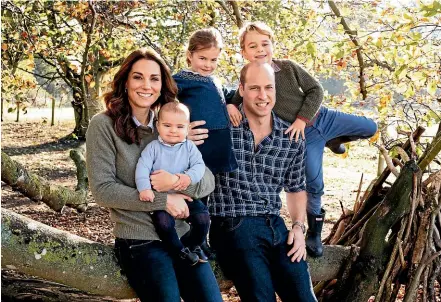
(399, 45)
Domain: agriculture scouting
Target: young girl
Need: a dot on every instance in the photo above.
(298, 100)
(206, 98)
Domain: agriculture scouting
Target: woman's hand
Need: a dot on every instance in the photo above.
(176, 205)
(297, 128)
(162, 181)
(235, 115)
(197, 135)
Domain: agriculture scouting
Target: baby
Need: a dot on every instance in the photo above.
(175, 154)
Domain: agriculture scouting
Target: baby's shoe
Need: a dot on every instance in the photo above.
(198, 251)
(189, 257)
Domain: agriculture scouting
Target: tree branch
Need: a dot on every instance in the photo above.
(353, 36)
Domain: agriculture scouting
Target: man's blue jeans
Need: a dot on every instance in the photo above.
(328, 125)
(156, 276)
(252, 252)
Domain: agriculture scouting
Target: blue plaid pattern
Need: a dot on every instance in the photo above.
(254, 188)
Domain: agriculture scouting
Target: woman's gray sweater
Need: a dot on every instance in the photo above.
(111, 164)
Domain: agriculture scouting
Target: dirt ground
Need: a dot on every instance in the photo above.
(45, 150)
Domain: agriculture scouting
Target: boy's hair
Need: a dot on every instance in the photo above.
(175, 107)
(204, 39)
(258, 26)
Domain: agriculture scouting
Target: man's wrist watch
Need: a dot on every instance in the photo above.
(300, 224)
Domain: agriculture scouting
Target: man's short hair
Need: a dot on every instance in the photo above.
(175, 107)
(244, 71)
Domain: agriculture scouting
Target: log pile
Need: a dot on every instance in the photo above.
(398, 231)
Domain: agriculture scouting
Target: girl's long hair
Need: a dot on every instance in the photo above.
(117, 102)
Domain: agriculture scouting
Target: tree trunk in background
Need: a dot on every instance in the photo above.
(39, 189)
(36, 249)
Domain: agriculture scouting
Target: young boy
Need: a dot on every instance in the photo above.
(175, 154)
(299, 97)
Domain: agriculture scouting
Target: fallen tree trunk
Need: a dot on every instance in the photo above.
(39, 189)
(37, 249)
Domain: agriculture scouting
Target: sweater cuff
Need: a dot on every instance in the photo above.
(303, 118)
(160, 201)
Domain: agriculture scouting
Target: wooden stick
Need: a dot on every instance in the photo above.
(377, 186)
(361, 221)
(392, 259)
(357, 202)
(388, 160)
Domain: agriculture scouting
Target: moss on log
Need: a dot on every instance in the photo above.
(39, 189)
(36, 249)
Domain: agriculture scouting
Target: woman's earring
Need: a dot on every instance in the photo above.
(125, 90)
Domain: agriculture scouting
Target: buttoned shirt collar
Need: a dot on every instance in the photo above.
(275, 66)
(277, 125)
(170, 145)
(150, 124)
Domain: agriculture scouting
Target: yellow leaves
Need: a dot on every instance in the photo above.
(92, 84)
(375, 138)
(88, 78)
(431, 87)
(384, 101)
(401, 72)
(379, 42)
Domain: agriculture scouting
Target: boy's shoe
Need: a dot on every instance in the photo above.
(202, 257)
(189, 257)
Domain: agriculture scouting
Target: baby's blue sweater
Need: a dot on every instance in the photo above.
(180, 158)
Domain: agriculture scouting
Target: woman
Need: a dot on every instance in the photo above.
(115, 139)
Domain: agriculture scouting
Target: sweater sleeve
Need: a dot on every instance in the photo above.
(313, 92)
(197, 167)
(236, 99)
(144, 167)
(228, 94)
(202, 188)
(108, 191)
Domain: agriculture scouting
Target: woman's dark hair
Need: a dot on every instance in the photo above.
(117, 102)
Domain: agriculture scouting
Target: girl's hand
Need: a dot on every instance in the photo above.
(297, 128)
(197, 135)
(183, 182)
(162, 181)
(176, 205)
(235, 115)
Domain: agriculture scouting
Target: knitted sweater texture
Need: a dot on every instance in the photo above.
(111, 164)
(298, 94)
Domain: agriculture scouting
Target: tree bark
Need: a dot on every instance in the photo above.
(37, 249)
(39, 189)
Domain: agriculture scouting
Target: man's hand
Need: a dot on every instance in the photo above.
(235, 115)
(197, 135)
(183, 182)
(297, 128)
(176, 205)
(162, 181)
(297, 240)
(146, 195)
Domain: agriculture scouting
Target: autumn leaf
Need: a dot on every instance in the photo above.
(4, 46)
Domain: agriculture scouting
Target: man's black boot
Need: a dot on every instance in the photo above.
(314, 244)
(337, 146)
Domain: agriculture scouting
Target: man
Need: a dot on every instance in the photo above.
(253, 246)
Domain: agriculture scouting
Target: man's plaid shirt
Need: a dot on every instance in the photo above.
(254, 188)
